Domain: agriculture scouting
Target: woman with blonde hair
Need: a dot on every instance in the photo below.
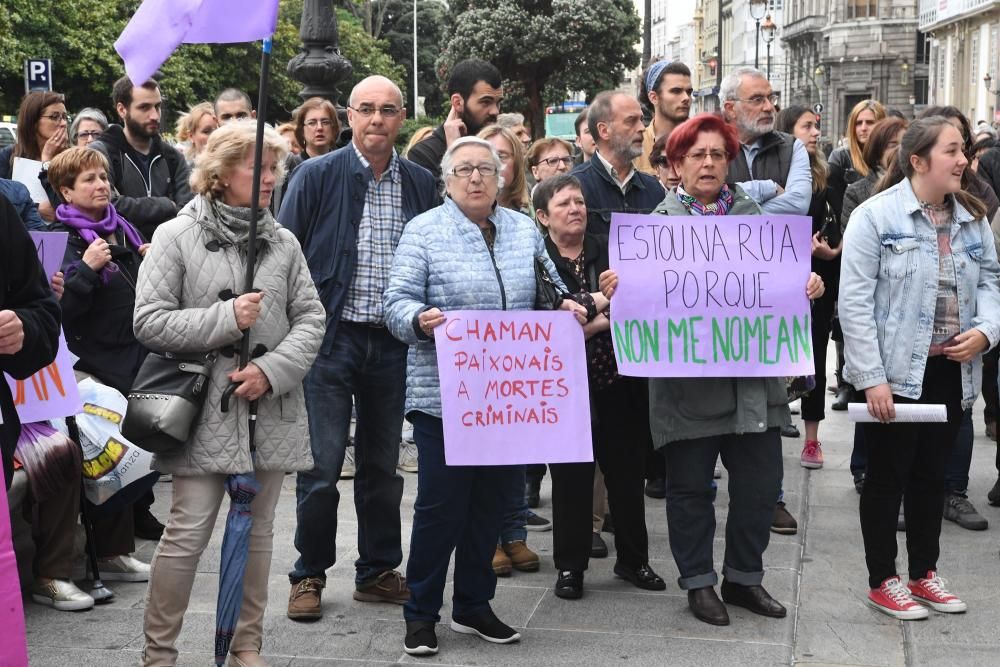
(418, 136)
(194, 128)
(185, 306)
(514, 194)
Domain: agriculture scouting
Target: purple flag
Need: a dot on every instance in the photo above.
(160, 26)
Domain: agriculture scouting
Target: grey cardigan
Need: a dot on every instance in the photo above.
(178, 309)
(687, 408)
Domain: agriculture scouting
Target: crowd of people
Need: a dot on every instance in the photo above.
(363, 250)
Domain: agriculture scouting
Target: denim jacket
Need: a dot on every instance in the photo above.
(889, 285)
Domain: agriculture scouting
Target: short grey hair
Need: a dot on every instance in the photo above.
(729, 89)
(600, 111)
(90, 113)
(448, 161)
(510, 120)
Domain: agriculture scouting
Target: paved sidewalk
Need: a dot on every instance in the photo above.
(818, 574)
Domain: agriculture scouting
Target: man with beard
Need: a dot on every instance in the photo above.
(476, 91)
(610, 181)
(666, 87)
(149, 176)
(773, 167)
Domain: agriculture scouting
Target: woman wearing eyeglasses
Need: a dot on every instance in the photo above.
(548, 157)
(467, 254)
(694, 420)
(41, 135)
(87, 126)
(316, 130)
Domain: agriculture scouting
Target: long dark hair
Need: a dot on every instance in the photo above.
(950, 112)
(785, 122)
(919, 139)
(28, 117)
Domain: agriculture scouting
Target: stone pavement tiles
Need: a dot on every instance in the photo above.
(818, 574)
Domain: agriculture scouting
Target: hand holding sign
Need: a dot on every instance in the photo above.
(815, 288)
(11, 332)
(429, 320)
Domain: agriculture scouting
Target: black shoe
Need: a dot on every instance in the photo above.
(754, 598)
(993, 497)
(533, 492)
(420, 638)
(537, 524)
(706, 606)
(656, 488)
(598, 549)
(642, 577)
(957, 508)
(790, 431)
(486, 625)
(569, 585)
(842, 399)
(146, 525)
(859, 482)
(609, 525)
(783, 523)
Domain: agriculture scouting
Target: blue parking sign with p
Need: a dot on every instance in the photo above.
(37, 74)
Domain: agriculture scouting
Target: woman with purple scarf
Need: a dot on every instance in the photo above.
(100, 266)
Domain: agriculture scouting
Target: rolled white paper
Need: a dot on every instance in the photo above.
(905, 412)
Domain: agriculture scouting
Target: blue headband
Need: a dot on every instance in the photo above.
(653, 73)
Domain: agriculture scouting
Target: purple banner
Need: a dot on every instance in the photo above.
(513, 388)
(713, 296)
(51, 247)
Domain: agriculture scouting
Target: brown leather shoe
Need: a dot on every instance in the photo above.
(305, 602)
(521, 557)
(501, 563)
(389, 586)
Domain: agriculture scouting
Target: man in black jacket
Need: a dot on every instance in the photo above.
(476, 91)
(29, 322)
(150, 177)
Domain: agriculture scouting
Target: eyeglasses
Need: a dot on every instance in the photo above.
(57, 117)
(758, 100)
(316, 122)
(715, 156)
(465, 170)
(553, 161)
(387, 111)
(89, 134)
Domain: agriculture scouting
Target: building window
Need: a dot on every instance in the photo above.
(920, 89)
(923, 48)
(860, 9)
(974, 61)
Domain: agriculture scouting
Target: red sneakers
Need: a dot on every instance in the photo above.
(931, 591)
(893, 598)
(812, 455)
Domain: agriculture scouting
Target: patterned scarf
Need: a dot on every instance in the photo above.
(720, 207)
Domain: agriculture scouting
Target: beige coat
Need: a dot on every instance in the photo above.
(178, 310)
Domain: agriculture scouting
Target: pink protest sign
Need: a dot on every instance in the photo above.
(13, 646)
(513, 388)
(712, 296)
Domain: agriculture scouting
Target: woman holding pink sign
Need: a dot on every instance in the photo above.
(467, 254)
(695, 420)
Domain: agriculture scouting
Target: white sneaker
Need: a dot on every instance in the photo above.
(123, 568)
(407, 456)
(347, 470)
(60, 594)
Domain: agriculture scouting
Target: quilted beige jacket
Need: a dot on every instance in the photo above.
(178, 309)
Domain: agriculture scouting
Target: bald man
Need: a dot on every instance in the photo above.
(347, 209)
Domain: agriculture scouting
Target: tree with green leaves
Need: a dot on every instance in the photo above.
(545, 48)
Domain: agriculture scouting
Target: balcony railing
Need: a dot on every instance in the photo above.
(933, 12)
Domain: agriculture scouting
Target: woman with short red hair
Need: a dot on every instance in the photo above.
(695, 420)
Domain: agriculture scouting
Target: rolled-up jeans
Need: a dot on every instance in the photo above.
(193, 511)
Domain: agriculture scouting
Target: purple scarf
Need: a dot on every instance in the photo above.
(90, 231)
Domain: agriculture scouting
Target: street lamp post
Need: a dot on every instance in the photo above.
(757, 10)
(769, 28)
(416, 98)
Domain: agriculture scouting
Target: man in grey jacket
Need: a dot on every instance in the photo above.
(150, 177)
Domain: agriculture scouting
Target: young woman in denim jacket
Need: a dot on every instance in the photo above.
(919, 304)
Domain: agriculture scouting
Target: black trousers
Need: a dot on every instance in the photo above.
(814, 403)
(621, 438)
(909, 461)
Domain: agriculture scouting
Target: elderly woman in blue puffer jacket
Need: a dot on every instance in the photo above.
(467, 254)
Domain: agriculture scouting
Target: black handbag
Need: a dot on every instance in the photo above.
(165, 399)
(547, 293)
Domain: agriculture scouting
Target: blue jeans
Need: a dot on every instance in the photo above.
(458, 508)
(369, 365)
(956, 473)
(515, 508)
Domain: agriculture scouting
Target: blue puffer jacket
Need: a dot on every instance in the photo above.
(443, 261)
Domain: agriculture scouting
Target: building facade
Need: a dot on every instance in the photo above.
(840, 52)
(963, 45)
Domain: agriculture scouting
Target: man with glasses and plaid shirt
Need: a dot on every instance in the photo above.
(348, 209)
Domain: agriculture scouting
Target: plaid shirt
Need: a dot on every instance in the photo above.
(378, 235)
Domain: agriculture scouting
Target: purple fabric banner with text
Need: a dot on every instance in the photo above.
(513, 388)
(712, 296)
(13, 643)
